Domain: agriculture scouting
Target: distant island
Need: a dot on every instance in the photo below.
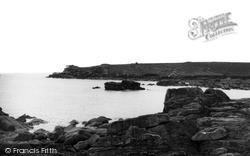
(226, 75)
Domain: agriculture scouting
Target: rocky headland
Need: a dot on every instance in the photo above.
(225, 75)
(192, 123)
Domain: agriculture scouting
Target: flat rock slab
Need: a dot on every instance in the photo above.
(210, 134)
(145, 121)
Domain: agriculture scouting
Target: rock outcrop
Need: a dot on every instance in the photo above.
(3, 113)
(193, 123)
(24, 118)
(222, 124)
(10, 124)
(98, 122)
(124, 85)
(209, 82)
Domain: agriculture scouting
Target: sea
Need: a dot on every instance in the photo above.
(58, 101)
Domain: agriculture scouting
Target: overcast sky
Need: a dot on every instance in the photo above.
(47, 35)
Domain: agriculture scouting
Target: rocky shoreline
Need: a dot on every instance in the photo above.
(223, 75)
(193, 123)
(227, 84)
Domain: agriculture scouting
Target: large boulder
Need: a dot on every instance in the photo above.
(177, 98)
(24, 136)
(226, 129)
(57, 133)
(71, 126)
(74, 122)
(10, 124)
(35, 121)
(148, 135)
(97, 122)
(145, 121)
(87, 143)
(141, 137)
(24, 118)
(124, 85)
(3, 113)
(215, 95)
(75, 135)
(210, 134)
(41, 134)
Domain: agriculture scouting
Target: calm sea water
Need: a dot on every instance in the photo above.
(58, 101)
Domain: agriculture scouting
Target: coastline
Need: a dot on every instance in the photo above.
(225, 75)
(193, 122)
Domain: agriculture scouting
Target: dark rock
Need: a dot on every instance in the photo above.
(105, 125)
(230, 154)
(114, 86)
(170, 82)
(69, 127)
(87, 143)
(3, 113)
(82, 145)
(41, 134)
(145, 121)
(39, 131)
(214, 95)
(10, 124)
(24, 136)
(135, 135)
(93, 139)
(96, 87)
(57, 133)
(190, 92)
(36, 121)
(74, 136)
(59, 130)
(97, 122)
(177, 98)
(35, 143)
(150, 84)
(219, 151)
(232, 145)
(159, 138)
(120, 119)
(124, 85)
(24, 117)
(221, 121)
(210, 134)
(95, 130)
(74, 122)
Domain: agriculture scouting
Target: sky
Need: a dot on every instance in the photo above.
(46, 35)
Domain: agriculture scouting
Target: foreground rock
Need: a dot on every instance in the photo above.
(124, 85)
(193, 123)
(3, 113)
(101, 121)
(24, 118)
(10, 124)
(222, 124)
(35, 121)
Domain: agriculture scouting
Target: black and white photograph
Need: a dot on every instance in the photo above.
(124, 78)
